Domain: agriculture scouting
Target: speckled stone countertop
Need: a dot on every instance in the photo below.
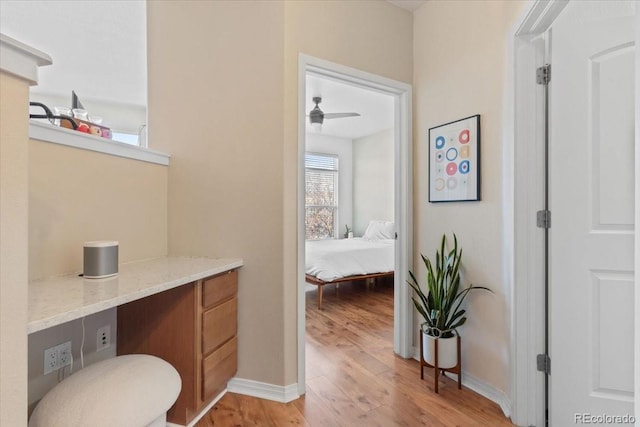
(58, 300)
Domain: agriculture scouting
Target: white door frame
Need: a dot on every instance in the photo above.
(527, 52)
(403, 140)
(637, 244)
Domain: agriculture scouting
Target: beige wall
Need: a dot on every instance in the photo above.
(373, 180)
(233, 177)
(456, 78)
(217, 107)
(228, 116)
(373, 36)
(52, 199)
(78, 195)
(13, 249)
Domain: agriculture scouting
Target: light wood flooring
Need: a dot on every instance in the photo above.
(354, 378)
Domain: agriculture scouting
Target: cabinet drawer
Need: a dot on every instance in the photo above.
(218, 368)
(219, 324)
(219, 288)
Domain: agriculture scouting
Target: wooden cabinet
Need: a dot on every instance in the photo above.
(193, 327)
(219, 347)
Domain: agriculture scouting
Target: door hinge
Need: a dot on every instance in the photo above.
(543, 74)
(543, 363)
(543, 219)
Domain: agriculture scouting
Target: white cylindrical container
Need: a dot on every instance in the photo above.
(100, 259)
(447, 351)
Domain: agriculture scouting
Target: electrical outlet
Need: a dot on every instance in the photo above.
(64, 354)
(103, 338)
(51, 362)
(57, 357)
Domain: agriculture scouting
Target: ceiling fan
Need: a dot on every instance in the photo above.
(317, 116)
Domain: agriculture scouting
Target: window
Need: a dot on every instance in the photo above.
(127, 138)
(321, 196)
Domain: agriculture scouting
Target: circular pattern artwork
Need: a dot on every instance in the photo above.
(464, 136)
(464, 152)
(464, 167)
(454, 161)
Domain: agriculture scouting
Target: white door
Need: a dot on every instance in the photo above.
(592, 208)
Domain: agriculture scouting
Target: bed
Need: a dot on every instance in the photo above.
(333, 261)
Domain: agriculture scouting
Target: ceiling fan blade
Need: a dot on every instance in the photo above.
(339, 115)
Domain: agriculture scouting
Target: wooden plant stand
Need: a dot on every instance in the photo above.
(455, 370)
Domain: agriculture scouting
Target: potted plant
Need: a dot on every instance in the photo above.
(348, 234)
(441, 305)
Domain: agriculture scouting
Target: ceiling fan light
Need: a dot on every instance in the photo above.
(316, 117)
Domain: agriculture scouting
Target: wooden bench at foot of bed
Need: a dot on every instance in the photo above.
(320, 283)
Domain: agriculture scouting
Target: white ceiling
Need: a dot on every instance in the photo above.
(376, 109)
(98, 47)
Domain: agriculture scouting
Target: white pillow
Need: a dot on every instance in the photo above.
(379, 230)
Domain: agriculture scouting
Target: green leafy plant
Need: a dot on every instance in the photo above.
(346, 233)
(441, 305)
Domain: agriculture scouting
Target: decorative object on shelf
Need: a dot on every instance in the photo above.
(80, 122)
(89, 127)
(454, 161)
(348, 233)
(441, 308)
(55, 120)
(80, 114)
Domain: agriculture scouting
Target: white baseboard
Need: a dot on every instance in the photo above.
(486, 390)
(278, 393)
(286, 394)
(202, 413)
(482, 388)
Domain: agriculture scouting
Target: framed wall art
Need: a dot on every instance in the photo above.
(454, 161)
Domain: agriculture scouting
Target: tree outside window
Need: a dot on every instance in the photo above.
(321, 196)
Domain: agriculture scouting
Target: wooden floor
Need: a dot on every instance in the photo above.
(354, 378)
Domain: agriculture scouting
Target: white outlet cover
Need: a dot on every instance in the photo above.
(103, 338)
(64, 354)
(57, 357)
(51, 362)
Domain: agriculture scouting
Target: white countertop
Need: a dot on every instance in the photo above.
(61, 299)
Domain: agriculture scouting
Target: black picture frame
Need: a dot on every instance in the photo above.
(454, 161)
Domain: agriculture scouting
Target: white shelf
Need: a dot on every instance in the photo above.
(59, 135)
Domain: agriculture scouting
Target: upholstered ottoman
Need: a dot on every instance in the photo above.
(134, 390)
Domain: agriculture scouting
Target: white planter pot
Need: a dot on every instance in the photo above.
(447, 351)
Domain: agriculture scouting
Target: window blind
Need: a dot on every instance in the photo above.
(321, 196)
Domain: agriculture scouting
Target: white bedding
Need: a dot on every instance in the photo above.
(333, 259)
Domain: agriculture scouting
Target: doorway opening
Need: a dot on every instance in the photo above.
(331, 213)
